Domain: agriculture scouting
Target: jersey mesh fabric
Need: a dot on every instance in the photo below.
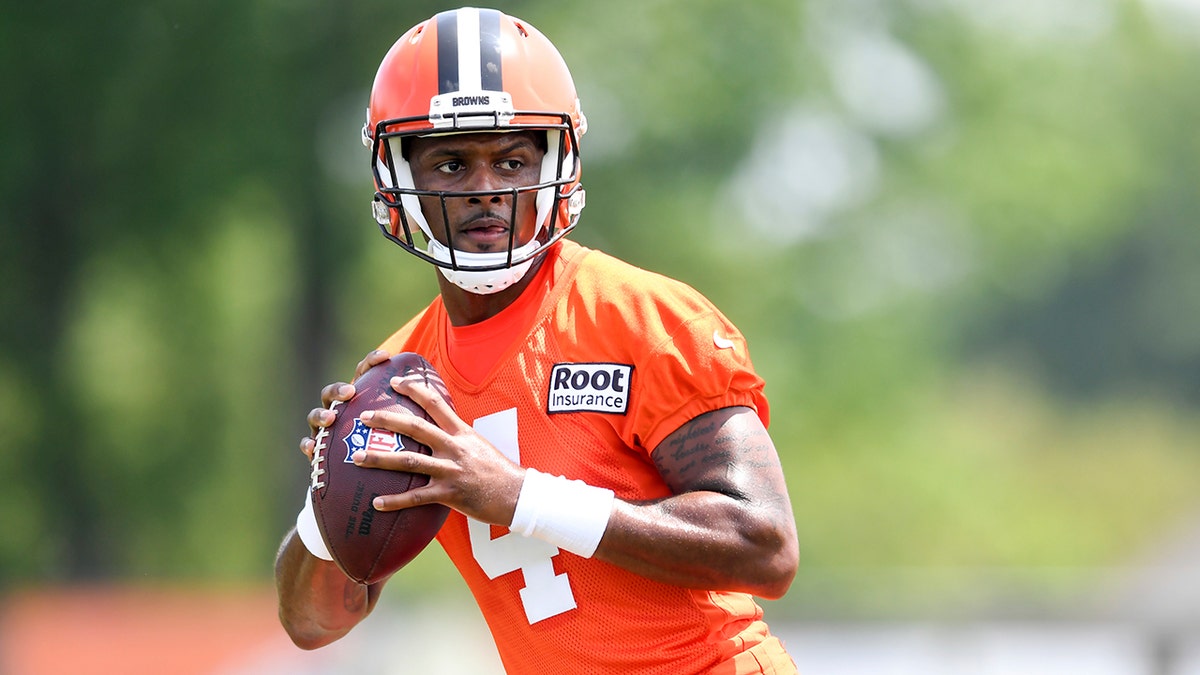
(598, 310)
(474, 349)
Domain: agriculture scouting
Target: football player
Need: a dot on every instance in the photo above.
(617, 502)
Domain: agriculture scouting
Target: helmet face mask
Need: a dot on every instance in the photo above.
(470, 71)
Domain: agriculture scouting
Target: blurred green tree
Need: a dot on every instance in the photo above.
(960, 239)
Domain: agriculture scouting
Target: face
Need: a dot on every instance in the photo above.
(478, 162)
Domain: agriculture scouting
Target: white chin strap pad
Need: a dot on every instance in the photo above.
(483, 282)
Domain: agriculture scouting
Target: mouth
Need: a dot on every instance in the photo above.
(484, 234)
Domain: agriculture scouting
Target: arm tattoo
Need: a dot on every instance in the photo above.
(716, 452)
(699, 454)
(683, 446)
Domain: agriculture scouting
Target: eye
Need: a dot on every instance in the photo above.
(452, 166)
(511, 164)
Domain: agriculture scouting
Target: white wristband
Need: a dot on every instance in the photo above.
(309, 532)
(570, 514)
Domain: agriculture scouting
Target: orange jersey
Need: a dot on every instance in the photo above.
(615, 359)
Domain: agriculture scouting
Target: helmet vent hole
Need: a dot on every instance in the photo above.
(521, 27)
(416, 35)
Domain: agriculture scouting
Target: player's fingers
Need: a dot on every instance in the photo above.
(431, 400)
(433, 492)
(338, 391)
(319, 418)
(372, 359)
(307, 444)
(405, 424)
(414, 497)
(403, 460)
(440, 492)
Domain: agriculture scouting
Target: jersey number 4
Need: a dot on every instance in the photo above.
(546, 594)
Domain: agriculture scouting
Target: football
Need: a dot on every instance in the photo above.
(370, 545)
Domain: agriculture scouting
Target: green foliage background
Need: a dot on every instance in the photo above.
(961, 240)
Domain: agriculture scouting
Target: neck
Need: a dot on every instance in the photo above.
(465, 308)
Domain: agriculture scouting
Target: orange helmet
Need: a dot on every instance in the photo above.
(464, 71)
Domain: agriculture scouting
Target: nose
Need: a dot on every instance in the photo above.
(485, 179)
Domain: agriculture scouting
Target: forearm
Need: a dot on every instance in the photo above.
(704, 540)
(318, 604)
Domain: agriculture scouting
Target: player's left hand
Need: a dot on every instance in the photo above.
(466, 472)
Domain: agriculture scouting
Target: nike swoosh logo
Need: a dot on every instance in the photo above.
(722, 342)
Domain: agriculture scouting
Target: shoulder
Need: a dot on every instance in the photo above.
(642, 310)
(608, 291)
(685, 356)
(605, 271)
(418, 333)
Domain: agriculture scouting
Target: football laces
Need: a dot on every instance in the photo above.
(319, 454)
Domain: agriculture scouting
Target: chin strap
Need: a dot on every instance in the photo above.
(483, 282)
(486, 283)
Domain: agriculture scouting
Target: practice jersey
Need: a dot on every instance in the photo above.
(613, 360)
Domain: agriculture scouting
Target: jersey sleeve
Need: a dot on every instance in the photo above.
(688, 358)
(700, 366)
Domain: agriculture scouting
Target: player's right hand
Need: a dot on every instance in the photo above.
(319, 418)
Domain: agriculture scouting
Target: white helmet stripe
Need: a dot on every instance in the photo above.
(469, 51)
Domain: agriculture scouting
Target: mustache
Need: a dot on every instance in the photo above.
(503, 217)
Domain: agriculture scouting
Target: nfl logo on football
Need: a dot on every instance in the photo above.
(362, 437)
